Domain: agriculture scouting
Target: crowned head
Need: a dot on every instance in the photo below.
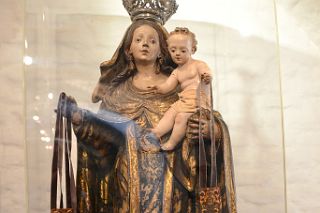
(156, 10)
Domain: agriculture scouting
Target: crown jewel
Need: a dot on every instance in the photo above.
(158, 10)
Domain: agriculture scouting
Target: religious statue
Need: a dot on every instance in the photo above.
(116, 171)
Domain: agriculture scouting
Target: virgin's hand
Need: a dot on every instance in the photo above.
(75, 111)
(194, 125)
(70, 110)
(204, 125)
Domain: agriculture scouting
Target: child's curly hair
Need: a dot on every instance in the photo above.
(186, 31)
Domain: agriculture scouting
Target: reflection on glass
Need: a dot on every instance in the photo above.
(72, 42)
(27, 60)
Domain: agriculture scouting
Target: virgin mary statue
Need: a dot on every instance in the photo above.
(115, 172)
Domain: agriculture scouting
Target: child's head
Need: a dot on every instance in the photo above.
(181, 44)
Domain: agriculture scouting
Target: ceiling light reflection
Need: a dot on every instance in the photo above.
(26, 44)
(27, 60)
(48, 147)
(45, 139)
(50, 96)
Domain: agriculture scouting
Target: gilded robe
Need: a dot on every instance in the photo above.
(116, 175)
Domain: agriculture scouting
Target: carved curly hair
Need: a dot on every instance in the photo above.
(186, 31)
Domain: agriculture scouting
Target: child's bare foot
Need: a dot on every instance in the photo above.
(167, 146)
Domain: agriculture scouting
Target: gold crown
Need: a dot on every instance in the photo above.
(158, 10)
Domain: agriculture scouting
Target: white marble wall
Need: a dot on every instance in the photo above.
(12, 144)
(237, 39)
(248, 96)
(300, 66)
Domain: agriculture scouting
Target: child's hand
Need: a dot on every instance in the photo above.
(206, 78)
(153, 89)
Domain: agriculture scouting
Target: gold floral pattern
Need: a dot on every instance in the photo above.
(114, 175)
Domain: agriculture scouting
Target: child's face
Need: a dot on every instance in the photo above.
(180, 48)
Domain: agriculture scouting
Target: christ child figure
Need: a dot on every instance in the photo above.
(189, 74)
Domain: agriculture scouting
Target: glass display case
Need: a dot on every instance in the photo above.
(65, 42)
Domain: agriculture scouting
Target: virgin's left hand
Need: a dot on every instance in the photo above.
(204, 124)
(193, 128)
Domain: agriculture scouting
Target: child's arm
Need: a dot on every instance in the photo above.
(204, 72)
(170, 84)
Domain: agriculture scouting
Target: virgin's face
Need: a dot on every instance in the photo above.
(145, 46)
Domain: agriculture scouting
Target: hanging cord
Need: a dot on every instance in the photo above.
(62, 147)
(203, 173)
(213, 172)
(203, 170)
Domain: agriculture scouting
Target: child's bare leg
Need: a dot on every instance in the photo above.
(178, 132)
(166, 123)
